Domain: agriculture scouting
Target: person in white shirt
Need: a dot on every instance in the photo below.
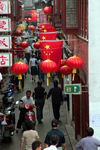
(26, 34)
(54, 139)
(33, 63)
(28, 51)
(19, 40)
(26, 100)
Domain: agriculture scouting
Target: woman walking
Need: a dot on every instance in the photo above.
(33, 63)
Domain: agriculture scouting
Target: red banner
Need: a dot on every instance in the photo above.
(45, 26)
(47, 30)
(52, 50)
(48, 36)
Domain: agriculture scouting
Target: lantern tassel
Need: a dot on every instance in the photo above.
(19, 84)
(74, 71)
(62, 76)
(19, 78)
(47, 81)
(48, 75)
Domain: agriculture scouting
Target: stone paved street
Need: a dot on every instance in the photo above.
(43, 128)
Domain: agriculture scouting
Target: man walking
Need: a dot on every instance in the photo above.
(57, 99)
(36, 145)
(55, 131)
(54, 139)
(88, 143)
(39, 94)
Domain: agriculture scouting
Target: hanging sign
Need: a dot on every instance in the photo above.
(72, 88)
(5, 59)
(43, 18)
(5, 25)
(5, 42)
(5, 7)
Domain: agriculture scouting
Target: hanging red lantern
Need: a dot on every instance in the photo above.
(18, 32)
(65, 70)
(37, 45)
(48, 67)
(15, 48)
(15, 43)
(15, 53)
(48, 10)
(32, 28)
(29, 19)
(19, 68)
(63, 62)
(14, 38)
(74, 63)
(25, 19)
(24, 44)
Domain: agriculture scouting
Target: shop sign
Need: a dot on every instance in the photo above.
(5, 7)
(72, 88)
(5, 42)
(5, 25)
(5, 59)
(43, 18)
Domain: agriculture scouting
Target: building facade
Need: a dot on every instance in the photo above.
(72, 17)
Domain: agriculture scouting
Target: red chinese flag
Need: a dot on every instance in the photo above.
(52, 50)
(48, 36)
(47, 30)
(45, 26)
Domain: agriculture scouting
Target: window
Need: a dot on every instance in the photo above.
(71, 13)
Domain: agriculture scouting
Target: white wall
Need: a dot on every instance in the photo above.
(94, 65)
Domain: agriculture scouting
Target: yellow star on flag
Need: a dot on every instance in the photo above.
(45, 30)
(47, 46)
(43, 38)
(43, 26)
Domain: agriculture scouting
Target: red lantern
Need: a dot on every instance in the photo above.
(19, 68)
(74, 63)
(15, 43)
(14, 38)
(25, 19)
(24, 44)
(15, 48)
(32, 28)
(29, 19)
(65, 70)
(48, 67)
(0, 67)
(48, 10)
(15, 53)
(37, 45)
(18, 32)
(63, 62)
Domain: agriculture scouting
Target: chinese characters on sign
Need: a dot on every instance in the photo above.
(5, 42)
(43, 18)
(72, 89)
(4, 25)
(5, 59)
(5, 7)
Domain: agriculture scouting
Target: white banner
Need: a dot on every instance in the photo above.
(5, 59)
(5, 24)
(5, 42)
(5, 7)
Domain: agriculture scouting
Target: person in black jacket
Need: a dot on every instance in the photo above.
(39, 95)
(57, 99)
